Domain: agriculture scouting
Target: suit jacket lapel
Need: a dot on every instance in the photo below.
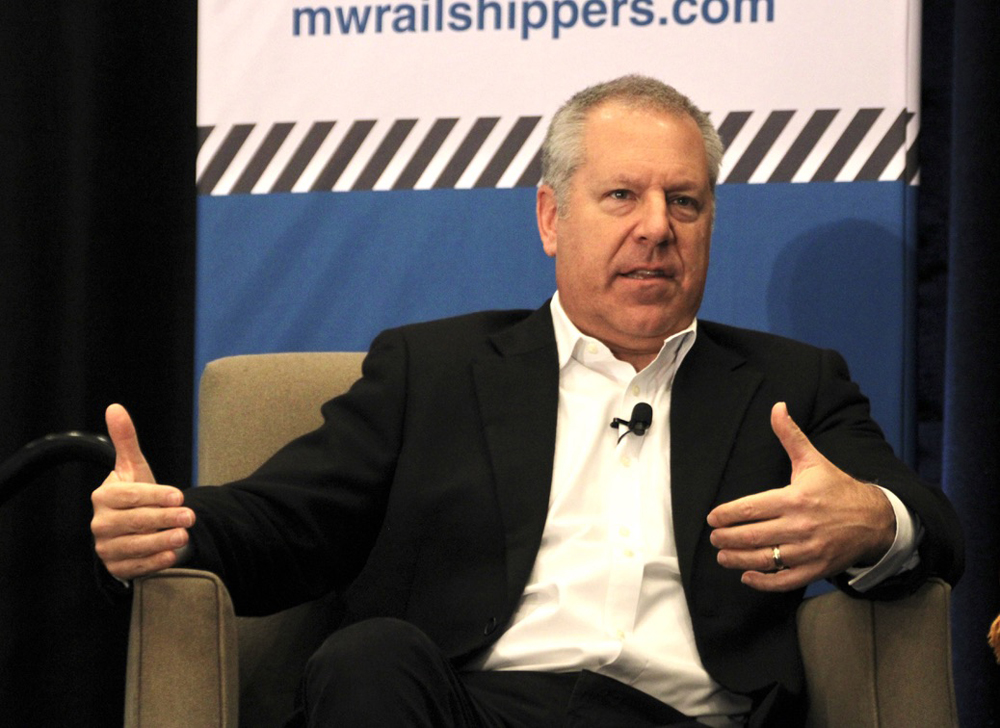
(518, 390)
(710, 395)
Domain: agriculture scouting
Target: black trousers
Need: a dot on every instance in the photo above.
(386, 672)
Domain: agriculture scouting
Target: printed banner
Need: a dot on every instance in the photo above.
(365, 164)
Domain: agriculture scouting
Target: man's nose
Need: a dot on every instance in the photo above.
(653, 226)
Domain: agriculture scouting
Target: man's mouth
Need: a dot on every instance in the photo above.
(645, 274)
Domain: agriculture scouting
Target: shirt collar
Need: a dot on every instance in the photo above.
(571, 343)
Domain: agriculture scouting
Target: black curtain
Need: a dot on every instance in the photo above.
(971, 441)
(97, 207)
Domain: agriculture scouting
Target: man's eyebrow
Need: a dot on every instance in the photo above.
(623, 180)
(683, 184)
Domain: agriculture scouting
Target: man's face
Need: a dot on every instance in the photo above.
(632, 249)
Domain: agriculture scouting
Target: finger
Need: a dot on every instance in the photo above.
(111, 524)
(799, 448)
(758, 559)
(140, 546)
(778, 581)
(134, 568)
(755, 535)
(130, 463)
(748, 509)
(118, 496)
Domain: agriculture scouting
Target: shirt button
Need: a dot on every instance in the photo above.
(636, 390)
(626, 460)
(592, 348)
(620, 634)
(629, 553)
(623, 532)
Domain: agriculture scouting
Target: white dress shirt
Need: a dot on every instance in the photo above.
(605, 592)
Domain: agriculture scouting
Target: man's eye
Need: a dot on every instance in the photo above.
(684, 208)
(620, 194)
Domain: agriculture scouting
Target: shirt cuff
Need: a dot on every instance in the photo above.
(901, 556)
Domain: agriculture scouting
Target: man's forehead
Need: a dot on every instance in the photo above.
(603, 122)
(644, 111)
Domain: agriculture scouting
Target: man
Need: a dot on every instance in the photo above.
(507, 558)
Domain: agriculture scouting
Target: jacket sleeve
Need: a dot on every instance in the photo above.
(305, 521)
(842, 429)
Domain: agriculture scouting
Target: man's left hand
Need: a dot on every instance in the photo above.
(822, 523)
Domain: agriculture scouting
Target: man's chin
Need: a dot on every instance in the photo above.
(651, 323)
(648, 335)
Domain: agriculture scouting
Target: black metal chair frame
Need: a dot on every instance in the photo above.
(20, 468)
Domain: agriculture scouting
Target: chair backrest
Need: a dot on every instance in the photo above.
(249, 406)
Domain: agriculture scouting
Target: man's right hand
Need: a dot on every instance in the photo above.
(138, 526)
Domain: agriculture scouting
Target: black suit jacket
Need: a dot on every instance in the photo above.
(424, 494)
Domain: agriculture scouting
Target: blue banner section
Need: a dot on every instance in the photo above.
(830, 264)
(327, 271)
(827, 263)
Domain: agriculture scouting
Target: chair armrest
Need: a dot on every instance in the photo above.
(182, 656)
(878, 663)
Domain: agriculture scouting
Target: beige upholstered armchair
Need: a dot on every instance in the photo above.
(192, 663)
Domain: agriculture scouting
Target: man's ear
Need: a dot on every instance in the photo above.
(548, 216)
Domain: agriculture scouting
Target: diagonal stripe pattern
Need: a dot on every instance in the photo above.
(786, 145)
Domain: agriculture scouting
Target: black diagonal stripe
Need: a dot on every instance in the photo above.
(203, 133)
(466, 151)
(804, 143)
(223, 158)
(731, 126)
(401, 128)
(348, 147)
(846, 145)
(424, 154)
(892, 142)
(912, 162)
(303, 156)
(532, 174)
(761, 144)
(261, 158)
(507, 151)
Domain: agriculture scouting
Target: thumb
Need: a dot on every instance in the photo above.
(130, 463)
(800, 450)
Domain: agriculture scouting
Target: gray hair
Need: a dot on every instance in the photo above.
(562, 150)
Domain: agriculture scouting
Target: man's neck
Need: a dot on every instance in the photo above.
(638, 360)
